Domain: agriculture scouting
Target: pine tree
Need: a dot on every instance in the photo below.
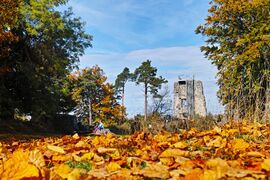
(120, 83)
(147, 75)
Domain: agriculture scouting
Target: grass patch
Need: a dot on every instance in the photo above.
(79, 165)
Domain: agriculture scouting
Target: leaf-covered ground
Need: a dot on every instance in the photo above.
(241, 152)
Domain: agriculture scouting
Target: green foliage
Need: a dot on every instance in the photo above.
(147, 75)
(48, 46)
(122, 79)
(238, 43)
(120, 83)
(40, 16)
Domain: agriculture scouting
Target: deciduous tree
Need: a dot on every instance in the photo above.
(162, 103)
(9, 12)
(48, 46)
(238, 43)
(94, 97)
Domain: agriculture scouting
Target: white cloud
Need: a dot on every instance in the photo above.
(170, 62)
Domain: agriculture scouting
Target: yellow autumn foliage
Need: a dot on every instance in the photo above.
(187, 155)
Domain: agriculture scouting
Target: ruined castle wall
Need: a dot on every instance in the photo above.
(180, 96)
(189, 99)
(199, 99)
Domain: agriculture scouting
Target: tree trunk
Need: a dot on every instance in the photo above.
(145, 102)
(267, 105)
(266, 116)
(90, 112)
(123, 103)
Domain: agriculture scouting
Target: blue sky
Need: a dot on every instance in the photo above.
(127, 32)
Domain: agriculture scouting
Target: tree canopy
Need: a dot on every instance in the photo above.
(94, 97)
(47, 46)
(238, 43)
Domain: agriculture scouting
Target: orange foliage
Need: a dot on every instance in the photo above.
(222, 153)
(9, 15)
(104, 105)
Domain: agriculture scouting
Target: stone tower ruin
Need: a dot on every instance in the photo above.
(189, 99)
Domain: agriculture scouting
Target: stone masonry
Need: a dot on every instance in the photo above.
(189, 99)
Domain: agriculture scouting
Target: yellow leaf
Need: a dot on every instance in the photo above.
(124, 174)
(173, 153)
(62, 170)
(20, 155)
(105, 150)
(217, 162)
(196, 153)
(266, 164)
(74, 175)
(76, 157)
(248, 178)
(218, 166)
(95, 141)
(88, 156)
(177, 172)
(76, 136)
(115, 155)
(56, 149)
(112, 166)
(36, 158)
(180, 159)
(167, 161)
(217, 130)
(154, 171)
(216, 142)
(180, 145)
(206, 139)
(254, 154)
(209, 175)
(98, 158)
(18, 170)
(98, 173)
(257, 133)
(194, 174)
(81, 144)
(62, 158)
(240, 144)
(232, 131)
